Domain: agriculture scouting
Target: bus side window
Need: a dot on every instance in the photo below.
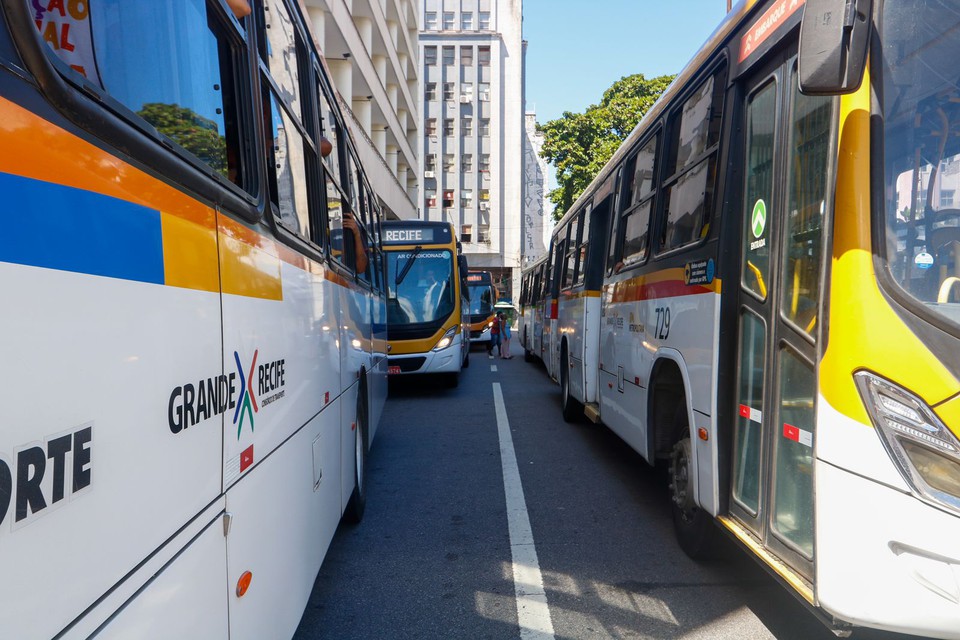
(193, 103)
(636, 219)
(692, 158)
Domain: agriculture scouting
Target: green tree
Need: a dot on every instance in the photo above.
(190, 130)
(579, 144)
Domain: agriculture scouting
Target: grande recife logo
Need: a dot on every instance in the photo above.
(244, 391)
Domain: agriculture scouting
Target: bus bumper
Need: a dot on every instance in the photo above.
(481, 336)
(884, 558)
(445, 361)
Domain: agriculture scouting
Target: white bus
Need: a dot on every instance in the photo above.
(775, 317)
(194, 319)
(534, 308)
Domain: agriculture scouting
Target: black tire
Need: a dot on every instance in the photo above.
(466, 360)
(527, 356)
(358, 499)
(571, 409)
(451, 380)
(696, 533)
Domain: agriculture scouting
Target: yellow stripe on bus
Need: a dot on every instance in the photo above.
(249, 264)
(865, 332)
(188, 251)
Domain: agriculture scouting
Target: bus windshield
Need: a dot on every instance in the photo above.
(921, 85)
(481, 299)
(426, 291)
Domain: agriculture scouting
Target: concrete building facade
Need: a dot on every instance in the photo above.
(471, 56)
(371, 49)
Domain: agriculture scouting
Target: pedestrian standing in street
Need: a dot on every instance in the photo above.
(505, 335)
(495, 337)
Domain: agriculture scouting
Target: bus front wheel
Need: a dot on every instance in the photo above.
(358, 499)
(693, 526)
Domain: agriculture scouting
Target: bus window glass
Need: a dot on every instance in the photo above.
(922, 151)
(807, 176)
(635, 231)
(761, 120)
(334, 216)
(687, 201)
(693, 150)
(286, 169)
(583, 244)
(190, 98)
(747, 445)
(694, 130)
(643, 176)
(279, 50)
(792, 517)
(425, 294)
(330, 131)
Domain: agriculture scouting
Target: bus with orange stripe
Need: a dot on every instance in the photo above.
(192, 250)
(483, 296)
(759, 291)
(428, 312)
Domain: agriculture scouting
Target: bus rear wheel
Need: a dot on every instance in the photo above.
(358, 499)
(692, 525)
(571, 409)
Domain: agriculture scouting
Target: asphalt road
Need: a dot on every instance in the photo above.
(433, 558)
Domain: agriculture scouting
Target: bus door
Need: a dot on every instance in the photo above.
(785, 146)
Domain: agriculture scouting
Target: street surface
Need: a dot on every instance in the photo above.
(434, 555)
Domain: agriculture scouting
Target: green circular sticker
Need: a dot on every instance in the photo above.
(758, 219)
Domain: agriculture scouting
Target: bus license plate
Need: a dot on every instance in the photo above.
(393, 369)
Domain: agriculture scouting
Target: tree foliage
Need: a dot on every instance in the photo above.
(190, 130)
(578, 145)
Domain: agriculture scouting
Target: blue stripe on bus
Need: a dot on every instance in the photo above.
(56, 227)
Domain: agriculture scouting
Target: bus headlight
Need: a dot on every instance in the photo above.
(446, 340)
(924, 450)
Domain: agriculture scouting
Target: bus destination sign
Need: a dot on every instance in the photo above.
(408, 236)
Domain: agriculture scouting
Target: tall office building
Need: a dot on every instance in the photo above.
(472, 57)
(371, 49)
(537, 210)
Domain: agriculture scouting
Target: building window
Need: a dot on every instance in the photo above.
(448, 127)
(431, 200)
(448, 91)
(484, 91)
(449, 56)
(430, 162)
(946, 198)
(484, 165)
(466, 233)
(447, 198)
(484, 234)
(466, 126)
(466, 162)
(430, 91)
(484, 20)
(448, 163)
(431, 126)
(429, 56)
(466, 92)
(466, 199)
(430, 21)
(466, 56)
(466, 21)
(484, 127)
(449, 19)
(484, 195)
(483, 56)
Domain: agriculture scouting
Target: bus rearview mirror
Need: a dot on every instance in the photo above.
(833, 45)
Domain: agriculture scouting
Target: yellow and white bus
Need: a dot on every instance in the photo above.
(428, 313)
(194, 302)
(483, 297)
(778, 311)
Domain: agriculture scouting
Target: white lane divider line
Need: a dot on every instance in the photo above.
(493, 367)
(533, 612)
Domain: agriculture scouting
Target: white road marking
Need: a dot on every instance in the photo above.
(533, 612)
(493, 367)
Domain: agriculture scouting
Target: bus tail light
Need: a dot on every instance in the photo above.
(924, 450)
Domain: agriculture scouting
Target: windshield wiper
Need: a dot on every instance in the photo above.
(407, 265)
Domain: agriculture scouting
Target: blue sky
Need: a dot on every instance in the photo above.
(578, 48)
